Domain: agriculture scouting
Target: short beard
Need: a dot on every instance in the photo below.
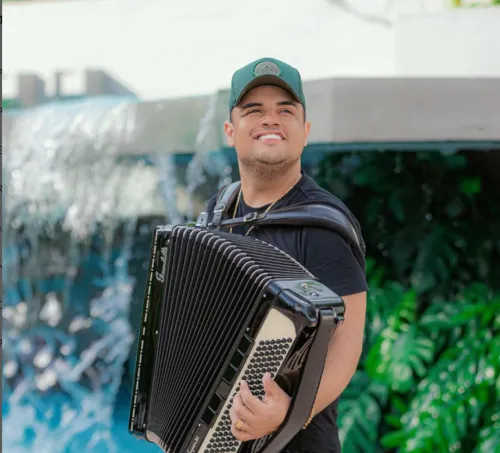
(265, 171)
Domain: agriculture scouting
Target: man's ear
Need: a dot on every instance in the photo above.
(229, 131)
(307, 130)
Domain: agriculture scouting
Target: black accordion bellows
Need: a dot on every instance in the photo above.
(221, 307)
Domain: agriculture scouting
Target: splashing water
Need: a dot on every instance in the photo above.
(77, 224)
(70, 215)
(207, 162)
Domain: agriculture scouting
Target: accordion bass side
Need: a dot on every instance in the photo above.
(219, 308)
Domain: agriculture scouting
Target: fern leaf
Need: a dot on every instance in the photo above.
(360, 414)
(402, 353)
(380, 306)
(489, 436)
(450, 400)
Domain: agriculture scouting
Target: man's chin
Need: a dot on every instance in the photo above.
(271, 162)
(268, 157)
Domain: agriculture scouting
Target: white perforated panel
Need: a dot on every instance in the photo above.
(271, 347)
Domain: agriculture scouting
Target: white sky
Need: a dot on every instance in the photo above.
(168, 48)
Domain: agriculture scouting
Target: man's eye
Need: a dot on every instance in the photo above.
(254, 111)
(287, 111)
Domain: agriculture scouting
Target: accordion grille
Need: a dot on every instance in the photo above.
(213, 284)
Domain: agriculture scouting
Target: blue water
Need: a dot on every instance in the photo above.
(77, 228)
(114, 438)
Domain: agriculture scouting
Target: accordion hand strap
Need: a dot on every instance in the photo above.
(308, 385)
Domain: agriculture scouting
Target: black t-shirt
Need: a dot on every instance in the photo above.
(329, 258)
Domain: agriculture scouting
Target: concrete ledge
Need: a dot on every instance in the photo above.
(413, 109)
(367, 110)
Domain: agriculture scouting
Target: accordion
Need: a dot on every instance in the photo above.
(218, 308)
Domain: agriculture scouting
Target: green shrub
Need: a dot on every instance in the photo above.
(431, 221)
(427, 383)
(429, 377)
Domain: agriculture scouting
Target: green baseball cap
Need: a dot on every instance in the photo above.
(266, 71)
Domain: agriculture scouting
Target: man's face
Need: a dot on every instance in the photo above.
(267, 128)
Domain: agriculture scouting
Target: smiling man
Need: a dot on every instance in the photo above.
(269, 130)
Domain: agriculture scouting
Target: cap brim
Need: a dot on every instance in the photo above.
(267, 80)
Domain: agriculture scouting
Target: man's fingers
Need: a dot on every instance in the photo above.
(239, 417)
(251, 402)
(241, 434)
(271, 388)
(240, 412)
(269, 385)
(256, 418)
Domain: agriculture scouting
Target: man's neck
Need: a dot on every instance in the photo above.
(258, 192)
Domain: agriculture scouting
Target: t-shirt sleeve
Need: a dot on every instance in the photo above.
(329, 257)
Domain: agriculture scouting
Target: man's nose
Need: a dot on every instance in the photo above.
(270, 120)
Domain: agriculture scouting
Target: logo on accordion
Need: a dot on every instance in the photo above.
(195, 442)
(160, 276)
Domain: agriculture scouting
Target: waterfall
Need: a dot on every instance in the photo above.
(71, 211)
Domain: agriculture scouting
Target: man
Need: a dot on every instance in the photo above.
(268, 129)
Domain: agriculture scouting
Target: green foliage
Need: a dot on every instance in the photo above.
(361, 406)
(480, 4)
(429, 382)
(429, 377)
(401, 354)
(489, 436)
(432, 221)
(449, 401)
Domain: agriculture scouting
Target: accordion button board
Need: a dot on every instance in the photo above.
(271, 347)
(219, 308)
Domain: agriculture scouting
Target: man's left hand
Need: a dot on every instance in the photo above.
(259, 418)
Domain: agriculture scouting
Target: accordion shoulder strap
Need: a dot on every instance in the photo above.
(311, 213)
(320, 213)
(225, 198)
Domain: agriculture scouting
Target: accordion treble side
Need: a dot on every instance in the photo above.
(219, 308)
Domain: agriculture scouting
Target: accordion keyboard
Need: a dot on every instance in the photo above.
(269, 351)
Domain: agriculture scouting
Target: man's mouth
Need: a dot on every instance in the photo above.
(269, 137)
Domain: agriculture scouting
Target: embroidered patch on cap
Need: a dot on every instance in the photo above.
(267, 68)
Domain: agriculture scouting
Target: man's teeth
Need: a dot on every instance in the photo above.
(270, 137)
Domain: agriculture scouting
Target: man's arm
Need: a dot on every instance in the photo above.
(330, 258)
(344, 352)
